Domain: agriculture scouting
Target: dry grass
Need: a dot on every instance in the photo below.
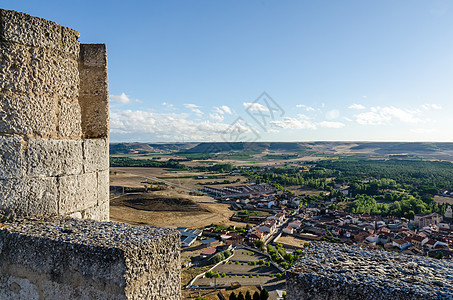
(210, 212)
(441, 200)
(292, 241)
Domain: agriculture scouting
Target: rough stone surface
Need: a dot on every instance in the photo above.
(93, 96)
(332, 271)
(11, 160)
(77, 187)
(29, 196)
(99, 212)
(103, 186)
(32, 31)
(58, 258)
(70, 119)
(53, 157)
(27, 116)
(96, 156)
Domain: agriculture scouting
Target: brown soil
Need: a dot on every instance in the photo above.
(151, 202)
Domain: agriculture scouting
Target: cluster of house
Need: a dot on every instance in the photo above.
(265, 230)
(262, 232)
(425, 235)
(240, 191)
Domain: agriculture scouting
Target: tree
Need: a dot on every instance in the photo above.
(209, 274)
(256, 296)
(248, 295)
(241, 296)
(232, 296)
(440, 255)
(259, 244)
(285, 265)
(264, 295)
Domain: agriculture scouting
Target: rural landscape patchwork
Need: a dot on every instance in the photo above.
(246, 211)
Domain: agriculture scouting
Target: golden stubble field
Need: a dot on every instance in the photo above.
(206, 210)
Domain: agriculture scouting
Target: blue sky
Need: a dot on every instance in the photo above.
(334, 70)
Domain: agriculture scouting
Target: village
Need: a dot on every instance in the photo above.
(279, 226)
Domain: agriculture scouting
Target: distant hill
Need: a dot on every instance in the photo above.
(433, 150)
(243, 146)
(148, 148)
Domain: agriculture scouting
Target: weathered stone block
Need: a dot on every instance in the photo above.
(341, 272)
(93, 55)
(11, 159)
(77, 192)
(27, 30)
(14, 73)
(53, 74)
(103, 187)
(96, 156)
(59, 258)
(42, 195)
(22, 114)
(100, 212)
(53, 157)
(70, 41)
(29, 196)
(69, 119)
(93, 94)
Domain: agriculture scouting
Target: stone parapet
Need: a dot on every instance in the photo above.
(53, 120)
(58, 258)
(340, 272)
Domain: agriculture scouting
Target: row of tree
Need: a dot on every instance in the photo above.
(401, 205)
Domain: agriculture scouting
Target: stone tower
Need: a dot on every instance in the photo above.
(53, 121)
(449, 212)
(54, 161)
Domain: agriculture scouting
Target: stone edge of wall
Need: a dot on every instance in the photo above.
(56, 257)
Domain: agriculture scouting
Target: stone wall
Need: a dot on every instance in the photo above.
(340, 272)
(53, 120)
(57, 258)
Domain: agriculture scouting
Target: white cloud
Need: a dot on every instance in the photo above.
(302, 116)
(194, 108)
(307, 108)
(216, 117)
(222, 110)
(165, 126)
(356, 106)
(327, 124)
(218, 110)
(382, 115)
(123, 98)
(293, 123)
(226, 109)
(255, 106)
(431, 106)
(167, 104)
(332, 114)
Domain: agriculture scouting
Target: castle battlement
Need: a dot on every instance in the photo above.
(53, 120)
(54, 172)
